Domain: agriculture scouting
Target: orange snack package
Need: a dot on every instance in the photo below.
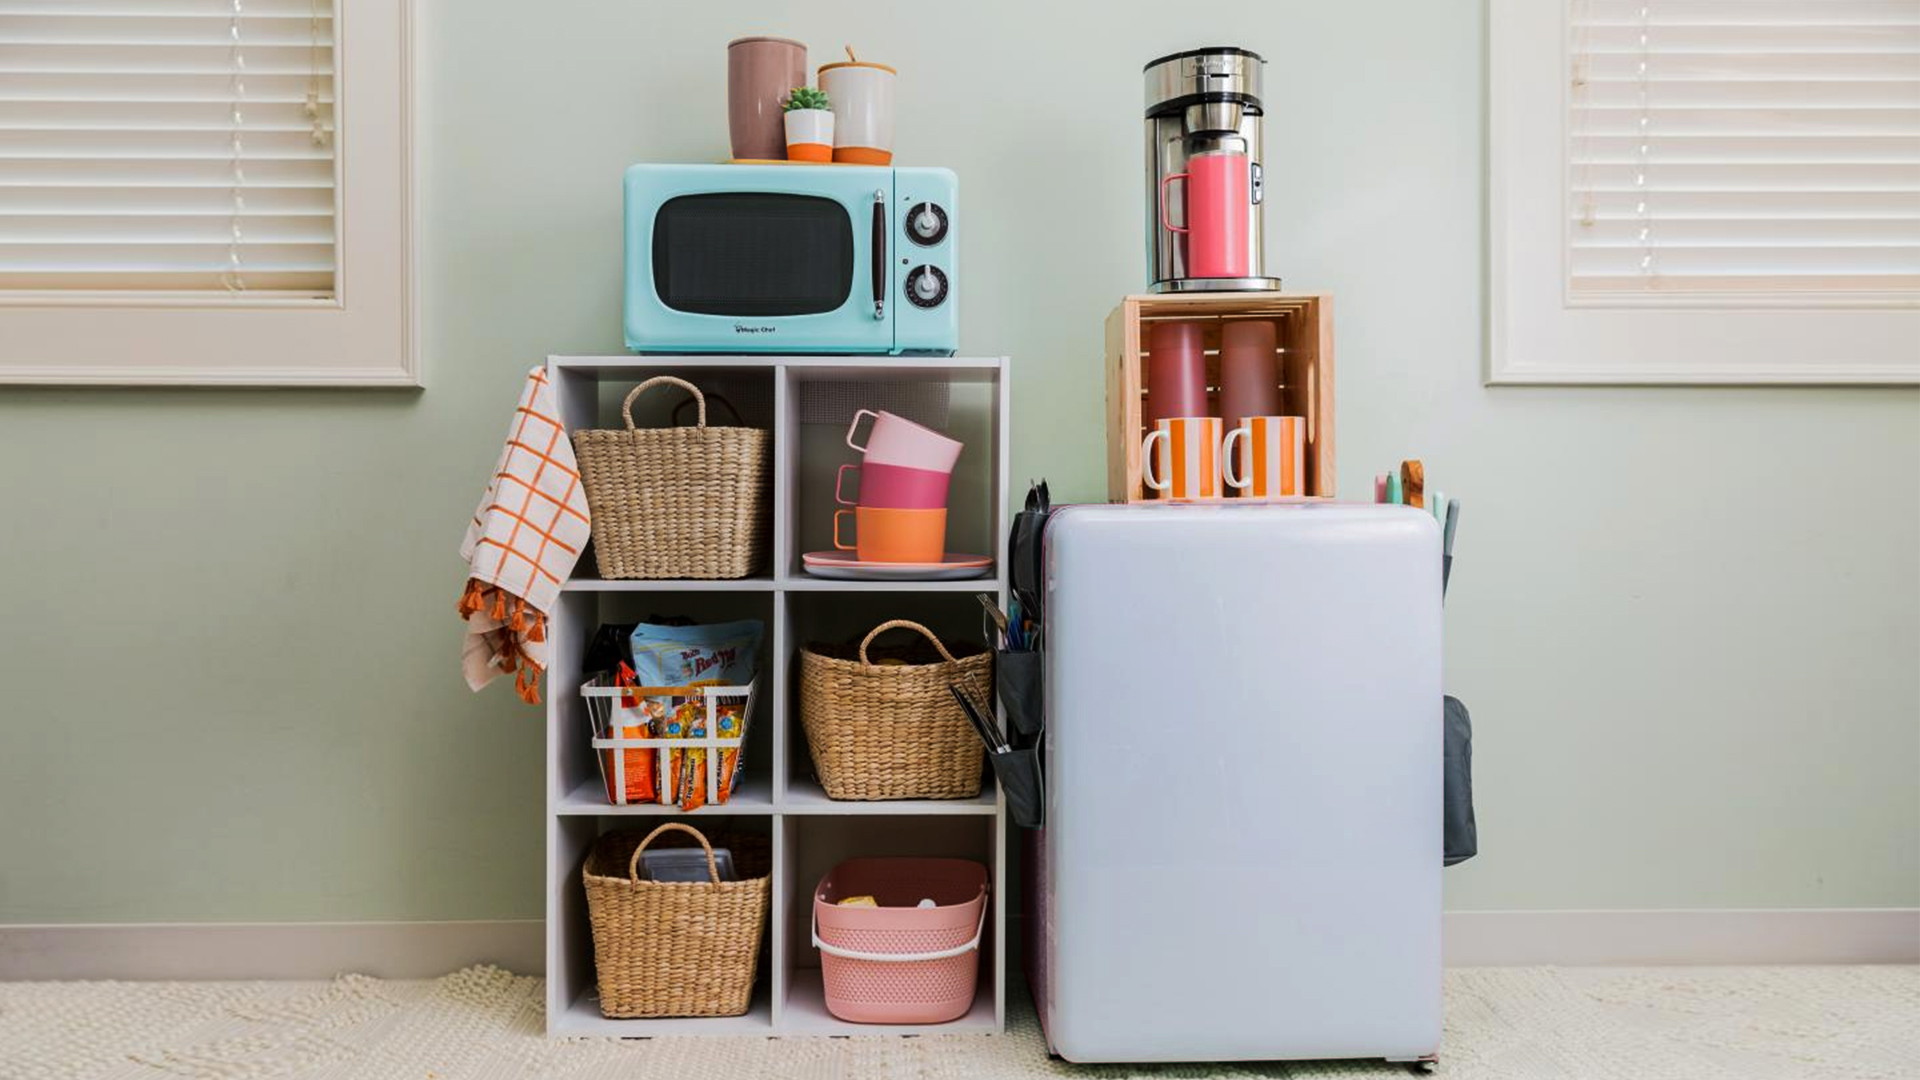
(635, 719)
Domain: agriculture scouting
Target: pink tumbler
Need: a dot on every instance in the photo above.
(1219, 198)
(1249, 376)
(1176, 371)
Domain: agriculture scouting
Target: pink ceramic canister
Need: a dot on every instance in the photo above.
(895, 440)
(894, 486)
(1249, 370)
(1219, 197)
(760, 72)
(1176, 371)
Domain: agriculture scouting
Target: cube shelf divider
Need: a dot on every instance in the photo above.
(776, 795)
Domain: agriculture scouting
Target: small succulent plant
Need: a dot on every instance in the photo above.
(806, 97)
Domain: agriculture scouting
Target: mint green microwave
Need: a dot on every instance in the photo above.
(792, 259)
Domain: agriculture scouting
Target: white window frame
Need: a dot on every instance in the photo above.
(365, 335)
(1535, 336)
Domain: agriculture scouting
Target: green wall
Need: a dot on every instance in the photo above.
(1685, 619)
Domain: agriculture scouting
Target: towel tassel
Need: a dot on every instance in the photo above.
(499, 611)
(519, 623)
(473, 599)
(527, 683)
(538, 631)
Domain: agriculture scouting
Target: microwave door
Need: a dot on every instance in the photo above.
(780, 260)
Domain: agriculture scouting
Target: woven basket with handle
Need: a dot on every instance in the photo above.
(675, 948)
(893, 731)
(677, 502)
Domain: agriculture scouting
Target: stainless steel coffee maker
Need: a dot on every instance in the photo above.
(1202, 102)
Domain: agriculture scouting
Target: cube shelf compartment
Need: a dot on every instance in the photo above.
(798, 397)
(1304, 333)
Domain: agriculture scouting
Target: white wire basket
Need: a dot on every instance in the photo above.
(609, 717)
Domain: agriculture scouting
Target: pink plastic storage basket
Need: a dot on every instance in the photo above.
(900, 963)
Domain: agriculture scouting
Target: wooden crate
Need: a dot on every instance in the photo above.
(1304, 325)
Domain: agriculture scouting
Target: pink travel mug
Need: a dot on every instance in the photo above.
(1176, 371)
(1219, 189)
(1249, 373)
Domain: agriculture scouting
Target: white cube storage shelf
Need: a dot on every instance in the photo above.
(777, 794)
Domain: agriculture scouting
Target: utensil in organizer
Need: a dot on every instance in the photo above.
(1187, 463)
(760, 71)
(988, 736)
(1272, 457)
(1446, 546)
(862, 96)
(1249, 372)
(1413, 482)
(1176, 370)
(897, 487)
(1218, 196)
(895, 440)
(993, 613)
(1039, 500)
(886, 535)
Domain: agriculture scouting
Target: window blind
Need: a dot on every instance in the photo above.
(167, 147)
(1744, 151)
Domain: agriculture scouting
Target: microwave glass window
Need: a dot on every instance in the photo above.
(739, 253)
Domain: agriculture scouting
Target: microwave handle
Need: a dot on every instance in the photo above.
(879, 255)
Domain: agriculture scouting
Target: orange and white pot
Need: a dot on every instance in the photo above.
(809, 135)
(862, 96)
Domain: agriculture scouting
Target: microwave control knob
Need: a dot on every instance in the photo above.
(926, 286)
(926, 224)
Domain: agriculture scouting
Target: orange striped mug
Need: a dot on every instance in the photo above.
(1272, 459)
(1187, 464)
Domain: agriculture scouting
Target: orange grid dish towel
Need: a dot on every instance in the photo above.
(530, 529)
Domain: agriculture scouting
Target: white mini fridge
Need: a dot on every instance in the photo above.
(1242, 845)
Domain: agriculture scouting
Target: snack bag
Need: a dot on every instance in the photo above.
(723, 654)
(639, 761)
(693, 760)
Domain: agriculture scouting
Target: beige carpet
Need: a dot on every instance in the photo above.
(485, 1024)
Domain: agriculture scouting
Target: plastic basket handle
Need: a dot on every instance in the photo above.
(700, 399)
(901, 958)
(902, 624)
(633, 864)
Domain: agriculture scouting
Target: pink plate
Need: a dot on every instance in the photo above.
(846, 566)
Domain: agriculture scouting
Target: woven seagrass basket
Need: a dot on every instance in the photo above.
(893, 731)
(676, 948)
(677, 502)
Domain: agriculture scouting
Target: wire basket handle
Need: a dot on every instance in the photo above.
(902, 624)
(626, 407)
(633, 864)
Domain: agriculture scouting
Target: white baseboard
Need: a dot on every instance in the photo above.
(418, 950)
(1630, 938)
(392, 950)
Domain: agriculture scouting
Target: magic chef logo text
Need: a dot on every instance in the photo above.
(743, 328)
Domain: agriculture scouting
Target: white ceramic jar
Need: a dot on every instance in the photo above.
(862, 96)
